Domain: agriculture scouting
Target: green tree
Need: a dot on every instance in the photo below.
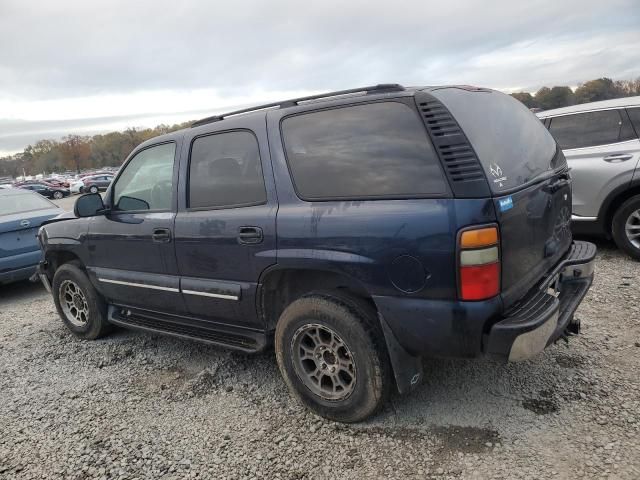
(526, 98)
(555, 97)
(596, 90)
(76, 151)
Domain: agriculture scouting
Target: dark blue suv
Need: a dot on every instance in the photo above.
(358, 231)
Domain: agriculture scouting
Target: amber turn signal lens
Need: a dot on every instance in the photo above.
(481, 237)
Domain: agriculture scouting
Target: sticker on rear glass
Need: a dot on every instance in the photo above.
(506, 203)
(498, 177)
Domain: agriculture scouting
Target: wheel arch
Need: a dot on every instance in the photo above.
(56, 258)
(615, 199)
(281, 286)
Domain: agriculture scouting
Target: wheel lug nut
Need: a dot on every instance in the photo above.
(333, 369)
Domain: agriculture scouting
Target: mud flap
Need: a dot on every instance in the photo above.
(407, 369)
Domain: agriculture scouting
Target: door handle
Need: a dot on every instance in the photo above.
(250, 235)
(161, 235)
(617, 157)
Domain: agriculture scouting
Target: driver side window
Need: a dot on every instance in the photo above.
(146, 183)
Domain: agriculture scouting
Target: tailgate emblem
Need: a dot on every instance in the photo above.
(25, 223)
(496, 171)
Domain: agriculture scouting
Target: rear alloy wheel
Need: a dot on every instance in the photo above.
(57, 195)
(323, 362)
(79, 305)
(626, 227)
(332, 355)
(93, 189)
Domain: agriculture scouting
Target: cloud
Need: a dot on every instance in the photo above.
(77, 60)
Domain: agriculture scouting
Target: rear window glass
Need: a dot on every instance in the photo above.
(587, 129)
(225, 171)
(512, 145)
(11, 204)
(361, 151)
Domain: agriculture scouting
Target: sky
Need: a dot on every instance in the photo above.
(85, 67)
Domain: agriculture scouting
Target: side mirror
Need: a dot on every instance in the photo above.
(89, 205)
(131, 204)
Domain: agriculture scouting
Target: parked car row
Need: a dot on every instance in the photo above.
(56, 188)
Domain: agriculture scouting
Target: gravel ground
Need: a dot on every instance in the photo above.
(136, 405)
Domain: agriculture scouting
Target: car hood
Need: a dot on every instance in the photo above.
(60, 218)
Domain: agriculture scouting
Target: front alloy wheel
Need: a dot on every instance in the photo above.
(57, 195)
(74, 303)
(93, 189)
(79, 305)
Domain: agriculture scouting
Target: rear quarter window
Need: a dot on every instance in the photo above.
(376, 150)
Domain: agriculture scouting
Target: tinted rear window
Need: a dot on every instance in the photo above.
(225, 171)
(587, 129)
(10, 204)
(361, 151)
(512, 145)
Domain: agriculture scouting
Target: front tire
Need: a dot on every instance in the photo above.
(57, 195)
(93, 189)
(80, 306)
(626, 227)
(331, 353)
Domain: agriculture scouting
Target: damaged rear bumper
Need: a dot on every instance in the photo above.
(546, 313)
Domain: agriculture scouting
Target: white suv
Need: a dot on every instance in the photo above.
(600, 142)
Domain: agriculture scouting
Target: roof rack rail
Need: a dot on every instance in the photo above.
(382, 87)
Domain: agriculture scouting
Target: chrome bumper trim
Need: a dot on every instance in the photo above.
(531, 343)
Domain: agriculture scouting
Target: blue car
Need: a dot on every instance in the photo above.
(21, 214)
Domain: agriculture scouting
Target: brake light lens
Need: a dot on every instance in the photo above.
(479, 260)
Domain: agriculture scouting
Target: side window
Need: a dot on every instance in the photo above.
(634, 115)
(225, 171)
(360, 151)
(147, 180)
(587, 129)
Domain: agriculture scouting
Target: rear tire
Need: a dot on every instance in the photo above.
(58, 195)
(93, 189)
(626, 227)
(80, 306)
(332, 356)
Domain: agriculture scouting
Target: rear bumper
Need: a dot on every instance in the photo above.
(19, 267)
(445, 328)
(546, 313)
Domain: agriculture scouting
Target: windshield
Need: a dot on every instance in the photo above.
(512, 145)
(20, 203)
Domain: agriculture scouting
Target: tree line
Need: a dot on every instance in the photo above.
(592, 91)
(76, 153)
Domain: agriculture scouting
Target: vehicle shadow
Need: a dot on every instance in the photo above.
(19, 291)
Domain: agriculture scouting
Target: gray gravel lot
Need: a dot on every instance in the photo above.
(136, 405)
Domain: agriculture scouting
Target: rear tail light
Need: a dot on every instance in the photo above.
(479, 260)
